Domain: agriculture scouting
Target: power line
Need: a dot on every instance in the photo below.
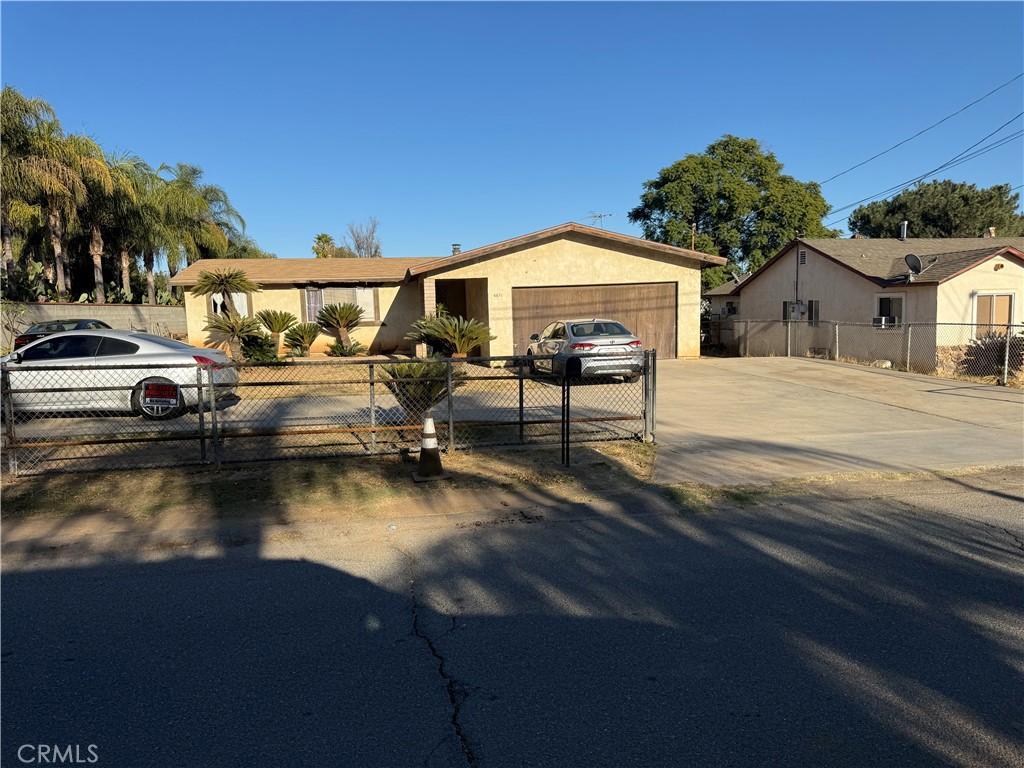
(953, 161)
(896, 190)
(923, 130)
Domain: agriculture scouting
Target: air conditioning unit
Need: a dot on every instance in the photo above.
(885, 322)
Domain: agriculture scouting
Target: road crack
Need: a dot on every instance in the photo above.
(457, 691)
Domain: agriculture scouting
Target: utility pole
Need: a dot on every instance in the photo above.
(598, 218)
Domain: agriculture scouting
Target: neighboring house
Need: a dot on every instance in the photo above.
(860, 280)
(516, 287)
(721, 301)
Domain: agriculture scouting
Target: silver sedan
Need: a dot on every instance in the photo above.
(604, 348)
(152, 377)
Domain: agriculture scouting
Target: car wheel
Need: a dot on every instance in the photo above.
(155, 412)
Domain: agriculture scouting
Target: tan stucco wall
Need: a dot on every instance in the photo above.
(399, 306)
(844, 295)
(579, 260)
(956, 297)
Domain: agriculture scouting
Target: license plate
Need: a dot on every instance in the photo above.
(156, 393)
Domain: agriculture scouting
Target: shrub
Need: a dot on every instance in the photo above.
(301, 337)
(450, 335)
(419, 386)
(232, 330)
(259, 349)
(338, 349)
(277, 322)
(339, 319)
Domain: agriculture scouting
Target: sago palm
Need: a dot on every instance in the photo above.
(340, 319)
(277, 322)
(231, 330)
(302, 336)
(451, 334)
(225, 282)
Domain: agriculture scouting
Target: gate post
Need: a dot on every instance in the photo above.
(373, 410)
(451, 411)
(214, 430)
(1006, 357)
(906, 356)
(835, 351)
(8, 409)
(200, 407)
(521, 391)
(789, 342)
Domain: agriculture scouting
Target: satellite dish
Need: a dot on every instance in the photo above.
(913, 263)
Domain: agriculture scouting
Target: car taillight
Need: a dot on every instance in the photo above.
(20, 341)
(203, 360)
(635, 344)
(582, 346)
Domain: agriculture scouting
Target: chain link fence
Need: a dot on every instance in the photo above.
(992, 354)
(67, 418)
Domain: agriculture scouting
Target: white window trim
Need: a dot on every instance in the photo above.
(891, 295)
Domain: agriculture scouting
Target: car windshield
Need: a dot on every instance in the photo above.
(162, 341)
(599, 328)
(53, 327)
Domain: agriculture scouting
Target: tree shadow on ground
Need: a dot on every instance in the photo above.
(794, 631)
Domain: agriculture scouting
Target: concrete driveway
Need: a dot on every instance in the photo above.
(727, 421)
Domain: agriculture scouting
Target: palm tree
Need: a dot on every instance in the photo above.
(199, 218)
(112, 196)
(24, 175)
(225, 282)
(340, 319)
(231, 330)
(323, 246)
(277, 322)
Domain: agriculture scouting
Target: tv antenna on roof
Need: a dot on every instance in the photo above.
(598, 218)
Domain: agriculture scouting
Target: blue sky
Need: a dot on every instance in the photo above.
(471, 123)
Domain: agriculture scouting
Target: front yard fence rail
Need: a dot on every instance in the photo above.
(60, 418)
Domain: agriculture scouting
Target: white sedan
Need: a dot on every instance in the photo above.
(106, 370)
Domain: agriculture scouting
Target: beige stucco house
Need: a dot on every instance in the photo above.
(977, 282)
(516, 286)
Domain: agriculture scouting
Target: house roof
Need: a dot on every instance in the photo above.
(496, 249)
(727, 287)
(300, 271)
(882, 260)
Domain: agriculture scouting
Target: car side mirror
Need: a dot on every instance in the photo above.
(14, 357)
(534, 337)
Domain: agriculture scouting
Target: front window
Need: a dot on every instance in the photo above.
(888, 311)
(219, 306)
(314, 302)
(993, 312)
(813, 311)
(364, 298)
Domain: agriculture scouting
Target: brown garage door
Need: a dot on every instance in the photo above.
(647, 309)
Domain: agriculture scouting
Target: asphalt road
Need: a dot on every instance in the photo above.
(850, 629)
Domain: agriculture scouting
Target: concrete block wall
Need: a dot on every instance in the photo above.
(161, 320)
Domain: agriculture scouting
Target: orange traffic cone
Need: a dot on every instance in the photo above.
(430, 457)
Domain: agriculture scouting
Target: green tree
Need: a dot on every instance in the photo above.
(110, 199)
(942, 209)
(25, 176)
(323, 246)
(742, 205)
(198, 218)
